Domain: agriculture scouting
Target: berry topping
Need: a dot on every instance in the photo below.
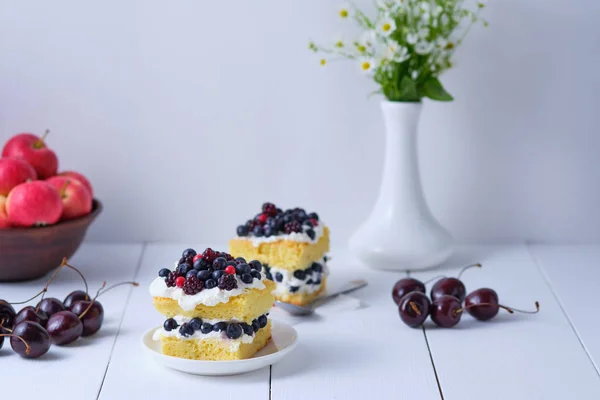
(170, 324)
(183, 269)
(262, 321)
(311, 234)
(210, 283)
(240, 260)
(196, 258)
(209, 255)
(294, 289)
(183, 260)
(227, 282)
(270, 209)
(164, 272)
(170, 279)
(220, 326)
(187, 253)
(204, 275)
(192, 285)
(242, 268)
(200, 264)
(246, 278)
(278, 277)
(255, 274)
(262, 218)
(314, 216)
(293, 226)
(179, 281)
(243, 230)
(300, 274)
(255, 264)
(258, 231)
(234, 331)
(206, 328)
(219, 263)
(186, 330)
(195, 323)
(248, 330)
(230, 269)
(192, 272)
(310, 282)
(269, 231)
(217, 274)
(317, 267)
(255, 325)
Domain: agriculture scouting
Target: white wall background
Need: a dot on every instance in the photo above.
(188, 114)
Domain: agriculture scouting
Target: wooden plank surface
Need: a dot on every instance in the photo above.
(82, 364)
(513, 356)
(574, 274)
(132, 374)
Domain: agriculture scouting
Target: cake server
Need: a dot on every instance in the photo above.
(310, 308)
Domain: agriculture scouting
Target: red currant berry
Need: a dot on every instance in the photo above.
(197, 257)
(314, 221)
(230, 269)
(263, 218)
(179, 281)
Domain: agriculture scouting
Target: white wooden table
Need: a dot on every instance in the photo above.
(360, 354)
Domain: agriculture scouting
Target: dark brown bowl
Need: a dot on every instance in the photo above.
(28, 253)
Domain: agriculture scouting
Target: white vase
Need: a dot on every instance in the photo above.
(401, 233)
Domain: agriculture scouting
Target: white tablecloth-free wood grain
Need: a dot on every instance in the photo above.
(359, 354)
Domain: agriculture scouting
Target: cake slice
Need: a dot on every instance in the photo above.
(292, 245)
(216, 306)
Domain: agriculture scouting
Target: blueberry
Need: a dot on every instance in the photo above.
(210, 283)
(206, 328)
(232, 263)
(255, 274)
(246, 278)
(318, 281)
(308, 223)
(219, 263)
(262, 321)
(186, 330)
(201, 265)
(242, 268)
(217, 274)
(317, 267)
(287, 218)
(220, 326)
(268, 275)
(183, 269)
(248, 330)
(301, 215)
(269, 231)
(187, 253)
(204, 275)
(170, 324)
(195, 323)
(310, 282)
(255, 264)
(258, 231)
(243, 230)
(255, 325)
(294, 289)
(311, 234)
(279, 210)
(164, 272)
(240, 260)
(234, 331)
(300, 274)
(191, 272)
(314, 216)
(278, 276)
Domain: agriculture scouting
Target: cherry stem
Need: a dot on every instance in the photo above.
(64, 188)
(509, 309)
(478, 265)
(81, 275)
(414, 307)
(40, 142)
(434, 279)
(62, 264)
(119, 284)
(27, 347)
(28, 300)
(93, 300)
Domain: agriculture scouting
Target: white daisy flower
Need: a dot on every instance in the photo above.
(386, 26)
(395, 52)
(444, 19)
(412, 38)
(414, 74)
(367, 65)
(423, 47)
(441, 42)
(423, 33)
(344, 11)
(338, 42)
(368, 39)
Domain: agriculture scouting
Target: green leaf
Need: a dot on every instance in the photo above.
(407, 90)
(433, 89)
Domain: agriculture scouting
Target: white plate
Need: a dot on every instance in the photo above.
(284, 339)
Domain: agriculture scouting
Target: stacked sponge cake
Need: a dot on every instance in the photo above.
(292, 246)
(216, 307)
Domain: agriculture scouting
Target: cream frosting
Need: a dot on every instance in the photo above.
(301, 237)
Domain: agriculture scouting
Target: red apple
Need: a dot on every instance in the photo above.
(4, 223)
(32, 149)
(80, 178)
(76, 198)
(34, 203)
(14, 172)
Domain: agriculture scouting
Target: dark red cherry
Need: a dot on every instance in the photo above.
(29, 314)
(446, 311)
(75, 296)
(92, 319)
(64, 327)
(30, 340)
(483, 305)
(404, 286)
(450, 287)
(7, 315)
(51, 306)
(414, 308)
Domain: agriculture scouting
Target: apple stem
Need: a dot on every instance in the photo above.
(415, 308)
(40, 143)
(27, 348)
(478, 265)
(64, 189)
(119, 284)
(93, 300)
(28, 300)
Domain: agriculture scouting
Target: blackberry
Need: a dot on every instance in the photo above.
(195, 323)
(164, 272)
(209, 255)
(255, 325)
(227, 282)
(248, 330)
(234, 331)
(170, 279)
(255, 264)
(314, 216)
(269, 208)
(193, 285)
(186, 330)
(170, 324)
(311, 234)
(293, 226)
(300, 274)
(189, 252)
(262, 321)
(206, 328)
(220, 326)
(255, 274)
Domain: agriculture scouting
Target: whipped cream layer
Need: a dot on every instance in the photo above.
(289, 280)
(207, 297)
(235, 343)
(301, 237)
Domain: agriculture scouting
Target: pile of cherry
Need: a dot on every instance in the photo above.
(33, 329)
(445, 304)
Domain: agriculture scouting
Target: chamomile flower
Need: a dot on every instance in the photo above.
(396, 52)
(423, 33)
(414, 74)
(422, 47)
(386, 26)
(367, 65)
(368, 39)
(344, 11)
(323, 62)
(412, 38)
(338, 42)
